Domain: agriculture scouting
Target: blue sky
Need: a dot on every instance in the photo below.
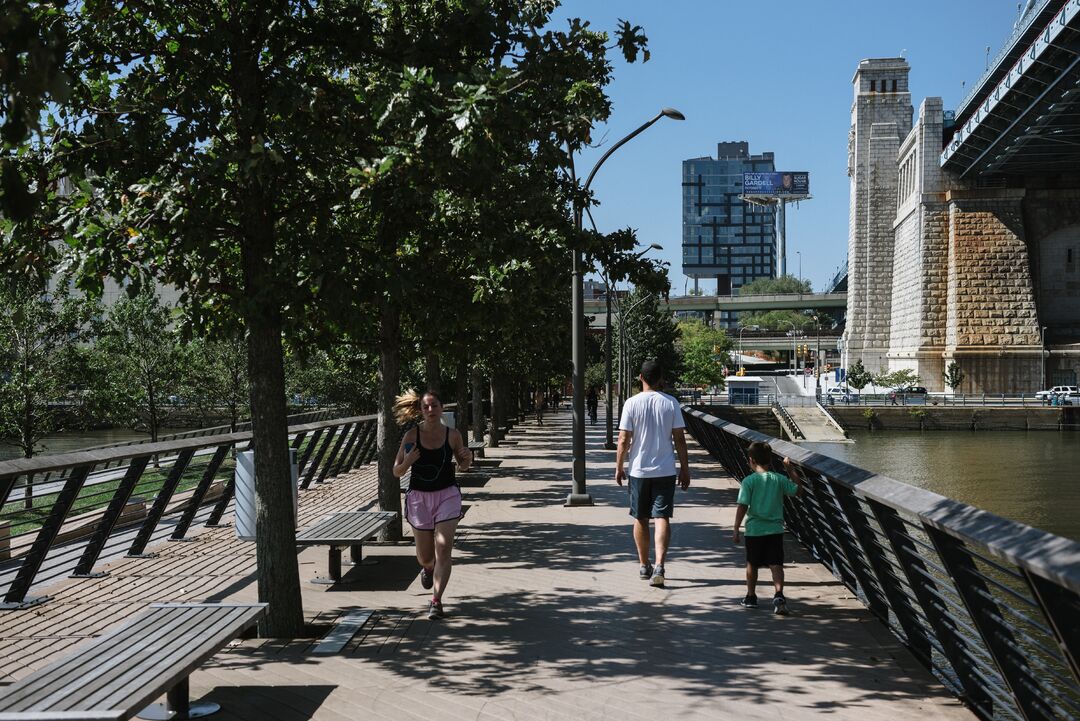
(776, 74)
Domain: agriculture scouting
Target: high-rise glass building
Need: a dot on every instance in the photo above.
(724, 237)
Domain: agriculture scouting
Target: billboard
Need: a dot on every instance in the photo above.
(779, 185)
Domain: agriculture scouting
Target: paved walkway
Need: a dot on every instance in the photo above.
(815, 425)
(547, 618)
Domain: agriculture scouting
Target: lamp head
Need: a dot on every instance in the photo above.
(656, 246)
(672, 113)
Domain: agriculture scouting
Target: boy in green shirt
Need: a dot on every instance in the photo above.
(761, 503)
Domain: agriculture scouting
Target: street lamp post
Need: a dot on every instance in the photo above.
(579, 496)
(1042, 358)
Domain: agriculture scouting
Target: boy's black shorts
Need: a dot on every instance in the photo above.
(765, 550)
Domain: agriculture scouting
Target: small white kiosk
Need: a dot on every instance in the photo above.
(743, 390)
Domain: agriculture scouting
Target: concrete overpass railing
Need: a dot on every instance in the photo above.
(990, 606)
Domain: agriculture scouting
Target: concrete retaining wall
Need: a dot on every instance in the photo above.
(959, 418)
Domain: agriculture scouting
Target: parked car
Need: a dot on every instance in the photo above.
(837, 394)
(1060, 391)
(909, 395)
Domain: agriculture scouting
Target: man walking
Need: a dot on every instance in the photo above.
(649, 423)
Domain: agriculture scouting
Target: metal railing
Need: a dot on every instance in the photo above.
(990, 606)
(91, 493)
(1000, 400)
(788, 423)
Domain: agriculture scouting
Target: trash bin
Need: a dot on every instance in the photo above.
(244, 497)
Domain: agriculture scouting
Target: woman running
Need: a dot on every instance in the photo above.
(433, 501)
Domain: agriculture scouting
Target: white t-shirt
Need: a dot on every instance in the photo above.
(651, 416)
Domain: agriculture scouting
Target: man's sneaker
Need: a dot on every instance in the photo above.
(426, 579)
(435, 611)
(779, 606)
(645, 573)
(657, 577)
(750, 601)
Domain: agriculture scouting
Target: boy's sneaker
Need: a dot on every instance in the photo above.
(779, 606)
(426, 578)
(657, 577)
(435, 611)
(645, 572)
(750, 601)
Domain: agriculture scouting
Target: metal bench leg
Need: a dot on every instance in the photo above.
(333, 568)
(356, 555)
(178, 706)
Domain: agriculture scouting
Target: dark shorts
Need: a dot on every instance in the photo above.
(765, 550)
(652, 497)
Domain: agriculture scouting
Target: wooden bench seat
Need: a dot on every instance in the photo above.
(339, 530)
(477, 448)
(116, 675)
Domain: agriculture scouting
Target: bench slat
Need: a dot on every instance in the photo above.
(342, 529)
(33, 688)
(168, 670)
(127, 659)
(121, 672)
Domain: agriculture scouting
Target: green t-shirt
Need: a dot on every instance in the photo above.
(763, 495)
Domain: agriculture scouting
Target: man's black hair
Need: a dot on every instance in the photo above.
(652, 372)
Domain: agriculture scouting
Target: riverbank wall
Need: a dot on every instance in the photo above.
(963, 418)
(915, 418)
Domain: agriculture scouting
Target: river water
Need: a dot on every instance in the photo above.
(66, 442)
(1028, 476)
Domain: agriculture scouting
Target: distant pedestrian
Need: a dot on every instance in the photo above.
(538, 406)
(555, 400)
(433, 501)
(650, 422)
(592, 402)
(761, 503)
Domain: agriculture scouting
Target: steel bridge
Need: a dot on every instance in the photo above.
(1024, 115)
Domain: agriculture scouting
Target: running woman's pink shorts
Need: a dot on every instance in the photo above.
(424, 509)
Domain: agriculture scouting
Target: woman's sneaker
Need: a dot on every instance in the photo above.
(435, 611)
(750, 601)
(645, 572)
(657, 577)
(426, 579)
(779, 606)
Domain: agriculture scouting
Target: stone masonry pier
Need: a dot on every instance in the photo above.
(547, 618)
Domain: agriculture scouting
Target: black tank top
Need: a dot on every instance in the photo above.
(434, 470)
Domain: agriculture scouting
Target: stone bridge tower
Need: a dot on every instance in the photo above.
(881, 115)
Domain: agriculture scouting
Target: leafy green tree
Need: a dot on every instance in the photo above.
(38, 336)
(953, 376)
(896, 379)
(703, 352)
(33, 45)
(649, 331)
(216, 378)
(140, 363)
(776, 286)
(857, 375)
(774, 319)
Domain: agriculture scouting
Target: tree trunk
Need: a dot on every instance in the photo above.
(432, 373)
(496, 411)
(275, 525)
(461, 395)
(477, 404)
(388, 431)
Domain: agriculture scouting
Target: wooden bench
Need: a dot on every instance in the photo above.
(116, 675)
(477, 448)
(339, 530)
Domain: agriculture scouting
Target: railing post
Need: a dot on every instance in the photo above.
(1060, 607)
(988, 618)
(31, 563)
(331, 460)
(138, 546)
(898, 601)
(923, 584)
(105, 526)
(303, 462)
(342, 465)
(200, 492)
(317, 460)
